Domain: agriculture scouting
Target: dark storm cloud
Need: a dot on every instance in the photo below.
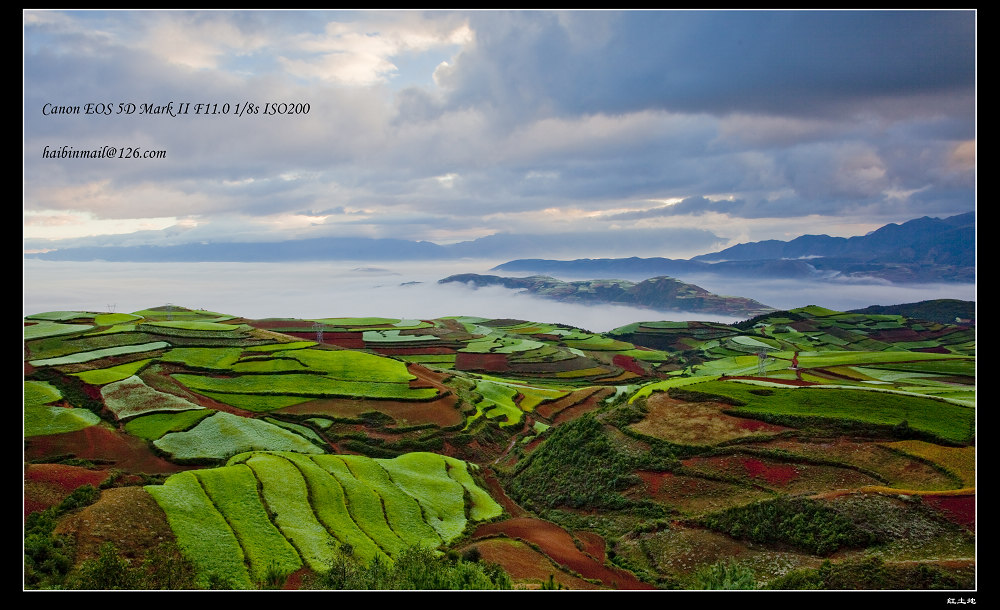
(798, 63)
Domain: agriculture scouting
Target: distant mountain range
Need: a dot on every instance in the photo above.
(659, 293)
(921, 250)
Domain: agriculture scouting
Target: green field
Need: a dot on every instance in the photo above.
(291, 509)
(941, 419)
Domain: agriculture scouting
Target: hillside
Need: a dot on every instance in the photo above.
(659, 293)
(808, 448)
(944, 311)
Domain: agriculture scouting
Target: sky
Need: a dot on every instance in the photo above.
(705, 128)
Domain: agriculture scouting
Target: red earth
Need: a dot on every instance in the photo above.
(628, 363)
(559, 546)
(46, 485)
(774, 474)
(465, 361)
(101, 444)
(958, 509)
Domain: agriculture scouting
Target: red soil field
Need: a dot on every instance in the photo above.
(129, 453)
(958, 509)
(441, 412)
(572, 406)
(465, 361)
(774, 474)
(593, 544)
(524, 563)
(628, 363)
(754, 425)
(46, 485)
(559, 546)
(498, 494)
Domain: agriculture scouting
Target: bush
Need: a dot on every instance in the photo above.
(727, 575)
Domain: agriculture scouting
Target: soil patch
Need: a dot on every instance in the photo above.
(958, 509)
(127, 516)
(525, 565)
(107, 447)
(47, 485)
(697, 423)
(559, 546)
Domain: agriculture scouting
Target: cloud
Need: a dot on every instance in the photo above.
(452, 125)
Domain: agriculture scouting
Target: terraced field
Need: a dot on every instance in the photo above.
(275, 448)
(287, 508)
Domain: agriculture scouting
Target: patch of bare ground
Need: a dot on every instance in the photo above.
(694, 496)
(778, 475)
(126, 516)
(558, 545)
(897, 469)
(574, 405)
(701, 423)
(497, 492)
(46, 485)
(107, 447)
(442, 412)
(526, 566)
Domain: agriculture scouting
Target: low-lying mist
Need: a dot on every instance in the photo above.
(398, 290)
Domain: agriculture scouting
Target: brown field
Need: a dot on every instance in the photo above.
(465, 361)
(574, 405)
(695, 495)
(126, 516)
(898, 470)
(526, 566)
(787, 477)
(108, 448)
(46, 485)
(701, 423)
(560, 548)
(441, 412)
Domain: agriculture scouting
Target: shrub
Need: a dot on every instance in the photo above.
(727, 575)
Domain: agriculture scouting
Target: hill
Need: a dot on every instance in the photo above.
(944, 311)
(659, 293)
(811, 448)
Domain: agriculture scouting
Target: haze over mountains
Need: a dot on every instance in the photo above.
(921, 250)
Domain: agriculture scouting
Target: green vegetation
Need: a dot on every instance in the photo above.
(48, 556)
(38, 393)
(726, 575)
(874, 573)
(863, 452)
(579, 466)
(224, 435)
(153, 426)
(805, 524)
(415, 568)
(43, 420)
(81, 357)
(53, 329)
(800, 406)
(112, 373)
